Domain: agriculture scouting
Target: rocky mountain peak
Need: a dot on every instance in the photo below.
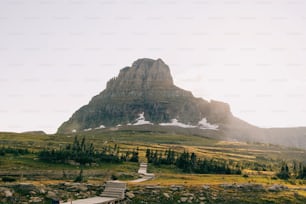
(146, 88)
(144, 73)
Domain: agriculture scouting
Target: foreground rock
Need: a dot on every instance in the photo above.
(221, 193)
(29, 193)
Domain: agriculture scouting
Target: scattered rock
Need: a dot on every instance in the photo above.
(201, 198)
(153, 187)
(206, 187)
(188, 195)
(51, 195)
(32, 193)
(83, 188)
(183, 199)
(25, 187)
(36, 200)
(277, 188)
(226, 185)
(176, 188)
(130, 195)
(166, 195)
(41, 190)
(8, 193)
(251, 187)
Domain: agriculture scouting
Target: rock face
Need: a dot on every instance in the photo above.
(142, 93)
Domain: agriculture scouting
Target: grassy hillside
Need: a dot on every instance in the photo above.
(130, 139)
(261, 163)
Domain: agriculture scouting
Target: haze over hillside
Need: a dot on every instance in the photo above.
(144, 95)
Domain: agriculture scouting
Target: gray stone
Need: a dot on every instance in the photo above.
(41, 190)
(183, 199)
(83, 188)
(8, 193)
(130, 195)
(36, 200)
(188, 195)
(26, 187)
(206, 187)
(201, 198)
(51, 195)
(166, 195)
(176, 187)
(32, 193)
(277, 187)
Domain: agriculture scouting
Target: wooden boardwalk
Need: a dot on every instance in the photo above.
(144, 174)
(113, 193)
(93, 200)
(114, 189)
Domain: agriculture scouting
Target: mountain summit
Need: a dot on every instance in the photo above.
(145, 94)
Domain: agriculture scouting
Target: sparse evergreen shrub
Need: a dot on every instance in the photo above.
(189, 162)
(284, 172)
(84, 153)
(114, 177)
(80, 177)
(8, 179)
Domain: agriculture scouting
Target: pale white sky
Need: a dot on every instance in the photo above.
(56, 55)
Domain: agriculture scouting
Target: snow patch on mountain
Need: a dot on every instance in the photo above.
(202, 124)
(100, 127)
(141, 120)
(174, 122)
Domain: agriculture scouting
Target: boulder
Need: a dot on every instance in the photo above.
(166, 195)
(36, 200)
(8, 193)
(51, 195)
(184, 199)
(130, 195)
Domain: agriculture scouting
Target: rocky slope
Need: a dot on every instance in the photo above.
(145, 94)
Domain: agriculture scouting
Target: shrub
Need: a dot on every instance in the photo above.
(80, 177)
(8, 179)
(114, 177)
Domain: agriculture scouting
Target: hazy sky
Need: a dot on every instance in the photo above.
(56, 55)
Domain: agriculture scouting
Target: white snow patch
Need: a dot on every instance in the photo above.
(141, 120)
(100, 127)
(88, 129)
(174, 122)
(119, 125)
(203, 124)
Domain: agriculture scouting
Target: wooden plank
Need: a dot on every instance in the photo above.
(93, 200)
